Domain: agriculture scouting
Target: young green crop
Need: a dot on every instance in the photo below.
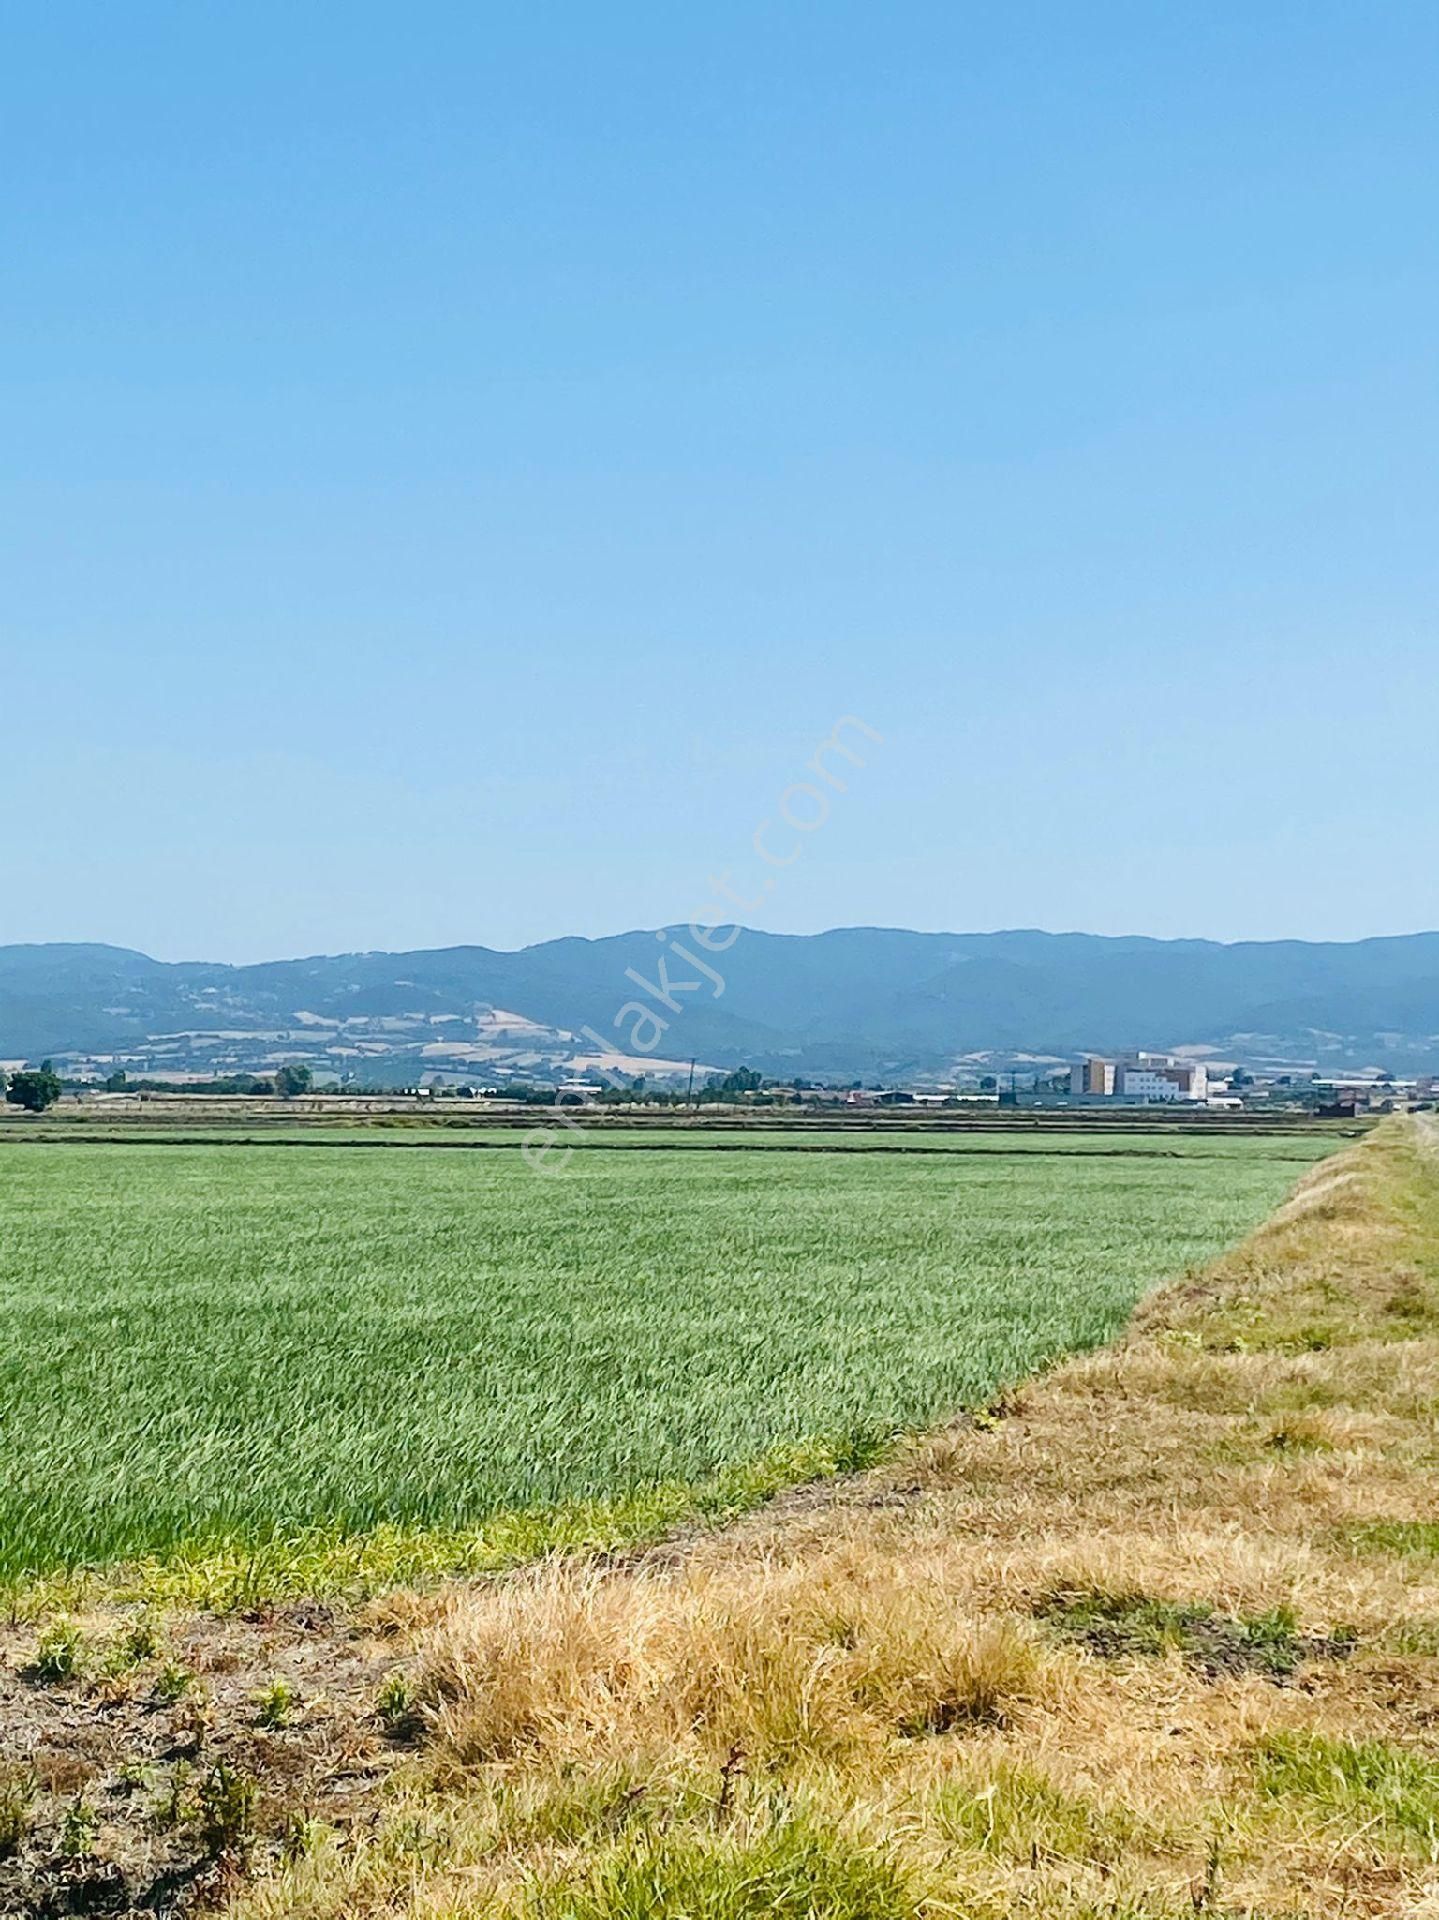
(239, 1344)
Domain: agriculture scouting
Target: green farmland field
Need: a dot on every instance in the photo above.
(239, 1344)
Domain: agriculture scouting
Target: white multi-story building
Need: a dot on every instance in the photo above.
(1140, 1076)
(1149, 1083)
(1154, 1077)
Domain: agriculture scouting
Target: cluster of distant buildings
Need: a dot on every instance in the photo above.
(1140, 1076)
(1146, 1077)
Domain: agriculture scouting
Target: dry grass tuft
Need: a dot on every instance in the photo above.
(775, 1661)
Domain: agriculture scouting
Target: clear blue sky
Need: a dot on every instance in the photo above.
(458, 461)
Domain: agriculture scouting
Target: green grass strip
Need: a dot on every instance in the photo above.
(225, 1576)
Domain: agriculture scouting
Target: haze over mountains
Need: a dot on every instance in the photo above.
(857, 1001)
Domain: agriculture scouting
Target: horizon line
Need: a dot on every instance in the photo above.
(532, 946)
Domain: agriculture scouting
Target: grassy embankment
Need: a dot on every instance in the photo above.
(1162, 1639)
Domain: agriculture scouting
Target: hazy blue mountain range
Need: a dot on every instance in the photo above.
(858, 1000)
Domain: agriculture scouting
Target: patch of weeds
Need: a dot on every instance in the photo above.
(1389, 1791)
(77, 1832)
(141, 1641)
(1293, 1337)
(985, 1419)
(302, 1836)
(1416, 1538)
(138, 1643)
(973, 1682)
(59, 1654)
(1317, 1319)
(1314, 1397)
(224, 1810)
(171, 1683)
(1205, 1891)
(17, 1795)
(134, 1776)
(193, 1725)
(396, 1708)
(1018, 1814)
(1218, 1645)
(275, 1705)
(172, 1807)
(1411, 1302)
(1300, 1433)
(584, 1809)
(1413, 1637)
(420, 1840)
(793, 1872)
(971, 1685)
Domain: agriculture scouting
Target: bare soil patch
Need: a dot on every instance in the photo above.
(148, 1764)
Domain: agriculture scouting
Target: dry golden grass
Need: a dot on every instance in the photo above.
(820, 1659)
(1125, 1652)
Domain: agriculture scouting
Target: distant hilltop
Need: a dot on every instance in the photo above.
(857, 1002)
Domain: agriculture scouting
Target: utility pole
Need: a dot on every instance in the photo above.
(690, 1089)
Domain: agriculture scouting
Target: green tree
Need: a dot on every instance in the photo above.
(290, 1081)
(34, 1088)
(742, 1080)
